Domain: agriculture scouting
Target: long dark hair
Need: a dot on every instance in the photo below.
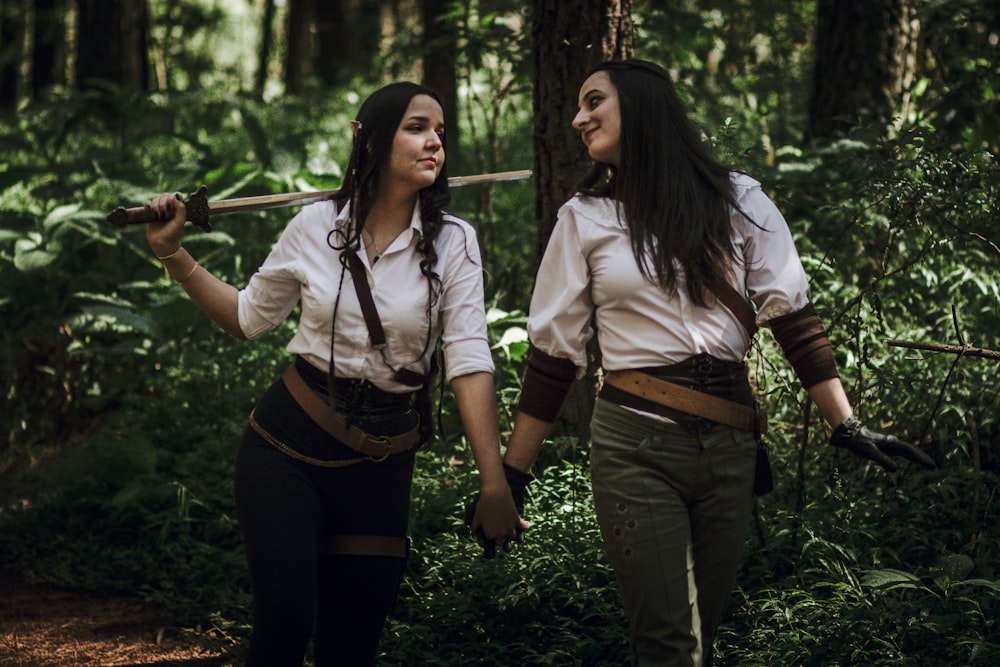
(376, 124)
(675, 195)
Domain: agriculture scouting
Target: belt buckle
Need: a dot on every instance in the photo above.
(696, 425)
(705, 365)
(382, 440)
(364, 392)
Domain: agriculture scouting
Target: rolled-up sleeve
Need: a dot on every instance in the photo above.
(559, 320)
(775, 278)
(275, 288)
(464, 338)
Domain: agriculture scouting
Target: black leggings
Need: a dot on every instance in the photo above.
(285, 507)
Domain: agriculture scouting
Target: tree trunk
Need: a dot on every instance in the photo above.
(439, 62)
(329, 62)
(11, 52)
(48, 54)
(265, 47)
(112, 42)
(298, 54)
(348, 37)
(865, 59)
(567, 40)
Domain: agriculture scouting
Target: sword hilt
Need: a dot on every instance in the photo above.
(196, 206)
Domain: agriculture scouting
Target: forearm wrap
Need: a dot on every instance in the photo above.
(547, 380)
(806, 346)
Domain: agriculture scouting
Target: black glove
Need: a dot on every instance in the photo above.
(518, 482)
(861, 441)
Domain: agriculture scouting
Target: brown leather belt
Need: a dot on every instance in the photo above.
(684, 399)
(377, 448)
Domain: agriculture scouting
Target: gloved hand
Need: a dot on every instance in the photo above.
(518, 482)
(861, 441)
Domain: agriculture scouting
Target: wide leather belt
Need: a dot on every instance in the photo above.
(378, 448)
(686, 400)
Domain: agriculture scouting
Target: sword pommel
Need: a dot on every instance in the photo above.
(121, 217)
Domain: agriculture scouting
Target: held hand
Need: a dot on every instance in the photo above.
(495, 518)
(861, 441)
(164, 236)
(518, 482)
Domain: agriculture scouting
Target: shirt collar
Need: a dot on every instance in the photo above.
(416, 221)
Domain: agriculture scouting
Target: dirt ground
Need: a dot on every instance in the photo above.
(42, 626)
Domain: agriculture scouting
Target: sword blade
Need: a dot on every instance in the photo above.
(199, 208)
(495, 177)
(296, 198)
(268, 201)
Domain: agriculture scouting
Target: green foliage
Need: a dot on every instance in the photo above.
(735, 62)
(122, 406)
(548, 603)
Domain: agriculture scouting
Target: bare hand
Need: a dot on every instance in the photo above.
(494, 520)
(165, 235)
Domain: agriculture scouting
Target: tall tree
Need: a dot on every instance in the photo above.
(11, 46)
(440, 62)
(265, 47)
(568, 37)
(48, 55)
(348, 39)
(332, 24)
(298, 53)
(112, 42)
(865, 61)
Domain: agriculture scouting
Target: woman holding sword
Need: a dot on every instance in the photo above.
(324, 469)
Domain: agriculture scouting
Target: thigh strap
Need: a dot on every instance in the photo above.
(365, 545)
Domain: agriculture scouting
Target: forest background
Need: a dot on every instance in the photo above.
(874, 124)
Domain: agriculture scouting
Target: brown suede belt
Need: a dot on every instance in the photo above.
(684, 399)
(366, 545)
(377, 448)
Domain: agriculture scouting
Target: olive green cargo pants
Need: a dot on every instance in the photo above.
(674, 507)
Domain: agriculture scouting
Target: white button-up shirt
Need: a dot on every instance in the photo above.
(303, 267)
(589, 267)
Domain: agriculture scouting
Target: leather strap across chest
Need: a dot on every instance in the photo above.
(374, 323)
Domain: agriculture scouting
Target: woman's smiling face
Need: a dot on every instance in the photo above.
(599, 119)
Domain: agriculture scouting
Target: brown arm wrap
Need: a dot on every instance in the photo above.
(547, 380)
(806, 346)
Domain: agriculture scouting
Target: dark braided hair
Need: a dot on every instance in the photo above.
(378, 119)
(376, 124)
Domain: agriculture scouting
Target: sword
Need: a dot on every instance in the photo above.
(199, 208)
